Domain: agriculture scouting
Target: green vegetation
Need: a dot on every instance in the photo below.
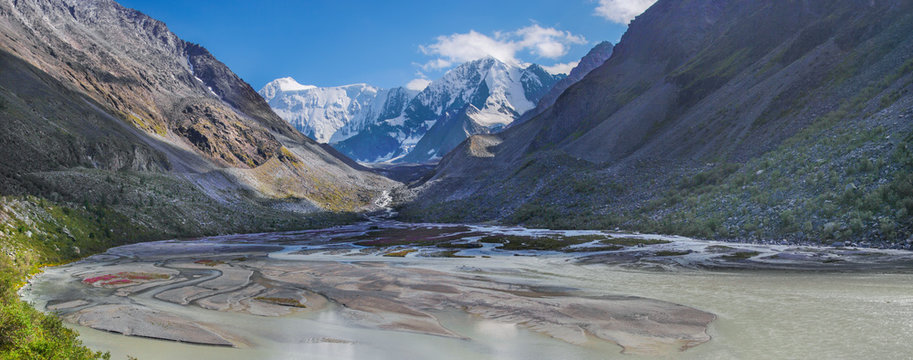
(596, 248)
(720, 249)
(741, 255)
(493, 239)
(632, 241)
(459, 245)
(209, 262)
(400, 253)
(533, 243)
(672, 253)
(281, 301)
(861, 190)
(544, 243)
(418, 237)
(449, 254)
(36, 232)
(26, 333)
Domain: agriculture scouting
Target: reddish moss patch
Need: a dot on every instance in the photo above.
(124, 278)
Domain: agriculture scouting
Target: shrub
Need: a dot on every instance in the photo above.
(26, 333)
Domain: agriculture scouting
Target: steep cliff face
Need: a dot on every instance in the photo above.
(733, 119)
(92, 89)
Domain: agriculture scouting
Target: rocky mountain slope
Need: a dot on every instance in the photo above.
(592, 60)
(477, 97)
(746, 120)
(333, 114)
(104, 109)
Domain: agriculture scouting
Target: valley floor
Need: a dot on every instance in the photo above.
(395, 290)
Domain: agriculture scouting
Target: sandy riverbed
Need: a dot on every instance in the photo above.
(170, 290)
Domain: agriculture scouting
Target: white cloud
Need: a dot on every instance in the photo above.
(418, 84)
(459, 48)
(622, 11)
(542, 42)
(547, 42)
(561, 68)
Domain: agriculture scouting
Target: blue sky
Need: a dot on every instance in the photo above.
(388, 43)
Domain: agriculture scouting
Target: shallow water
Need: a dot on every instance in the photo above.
(760, 314)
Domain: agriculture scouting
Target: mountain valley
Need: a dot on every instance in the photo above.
(713, 184)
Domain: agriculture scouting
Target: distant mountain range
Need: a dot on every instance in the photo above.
(398, 125)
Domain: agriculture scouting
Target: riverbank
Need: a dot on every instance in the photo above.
(36, 231)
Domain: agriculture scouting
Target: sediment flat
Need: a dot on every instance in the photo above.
(391, 284)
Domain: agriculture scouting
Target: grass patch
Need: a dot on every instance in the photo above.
(720, 249)
(459, 246)
(413, 236)
(209, 262)
(449, 254)
(544, 243)
(281, 301)
(534, 243)
(741, 255)
(400, 253)
(595, 248)
(672, 253)
(633, 241)
(493, 239)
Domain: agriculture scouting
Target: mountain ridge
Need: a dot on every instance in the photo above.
(691, 127)
(97, 91)
(500, 92)
(593, 59)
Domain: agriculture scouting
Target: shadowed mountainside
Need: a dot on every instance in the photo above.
(592, 60)
(747, 120)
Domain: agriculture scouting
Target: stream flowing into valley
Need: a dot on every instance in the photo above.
(390, 290)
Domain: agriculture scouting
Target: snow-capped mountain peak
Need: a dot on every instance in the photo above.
(487, 92)
(285, 84)
(371, 124)
(319, 112)
(490, 80)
